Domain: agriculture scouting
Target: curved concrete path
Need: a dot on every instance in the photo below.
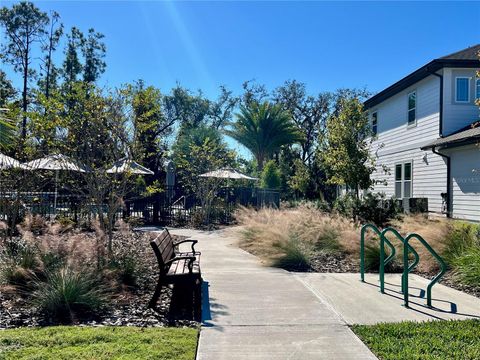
(255, 312)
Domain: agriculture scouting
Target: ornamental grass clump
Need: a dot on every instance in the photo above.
(295, 256)
(291, 236)
(66, 293)
(67, 273)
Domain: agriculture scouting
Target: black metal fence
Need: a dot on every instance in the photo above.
(170, 207)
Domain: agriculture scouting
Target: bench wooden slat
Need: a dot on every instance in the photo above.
(174, 271)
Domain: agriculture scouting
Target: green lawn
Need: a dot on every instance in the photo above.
(71, 342)
(430, 340)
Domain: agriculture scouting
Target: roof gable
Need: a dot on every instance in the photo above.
(467, 58)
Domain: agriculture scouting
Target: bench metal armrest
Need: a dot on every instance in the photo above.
(185, 241)
(190, 262)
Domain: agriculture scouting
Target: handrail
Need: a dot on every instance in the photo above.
(409, 267)
(178, 200)
(362, 248)
(437, 277)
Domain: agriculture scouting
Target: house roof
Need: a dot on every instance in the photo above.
(470, 53)
(467, 135)
(466, 58)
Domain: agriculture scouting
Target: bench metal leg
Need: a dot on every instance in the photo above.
(156, 295)
(197, 298)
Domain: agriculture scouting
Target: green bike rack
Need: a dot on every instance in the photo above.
(362, 248)
(383, 261)
(437, 277)
(409, 267)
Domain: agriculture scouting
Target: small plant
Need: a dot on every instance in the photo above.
(327, 240)
(66, 294)
(467, 266)
(372, 259)
(295, 257)
(19, 262)
(126, 269)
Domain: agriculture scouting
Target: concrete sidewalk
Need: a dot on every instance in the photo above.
(255, 312)
(362, 303)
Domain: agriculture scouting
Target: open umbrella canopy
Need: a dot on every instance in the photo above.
(56, 163)
(126, 165)
(6, 162)
(228, 174)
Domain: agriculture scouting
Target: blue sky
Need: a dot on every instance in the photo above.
(327, 45)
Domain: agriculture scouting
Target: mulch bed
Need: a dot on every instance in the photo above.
(127, 307)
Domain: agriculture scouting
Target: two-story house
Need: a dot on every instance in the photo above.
(427, 136)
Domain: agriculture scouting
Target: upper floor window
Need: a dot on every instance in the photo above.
(477, 89)
(374, 123)
(412, 107)
(462, 85)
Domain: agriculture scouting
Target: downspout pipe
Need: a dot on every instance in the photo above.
(449, 183)
(440, 113)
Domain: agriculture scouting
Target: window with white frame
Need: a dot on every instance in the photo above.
(462, 87)
(403, 180)
(477, 89)
(374, 123)
(412, 108)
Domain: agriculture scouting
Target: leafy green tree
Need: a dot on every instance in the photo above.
(300, 180)
(24, 25)
(72, 66)
(7, 130)
(49, 46)
(271, 177)
(151, 127)
(346, 156)
(263, 129)
(94, 50)
(309, 113)
(7, 91)
(186, 109)
(199, 150)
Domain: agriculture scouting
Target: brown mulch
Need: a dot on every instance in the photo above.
(128, 306)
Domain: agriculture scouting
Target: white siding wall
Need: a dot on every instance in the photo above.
(396, 142)
(465, 167)
(458, 115)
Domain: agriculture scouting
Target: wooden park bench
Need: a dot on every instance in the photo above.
(176, 267)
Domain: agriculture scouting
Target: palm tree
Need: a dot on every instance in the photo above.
(263, 129)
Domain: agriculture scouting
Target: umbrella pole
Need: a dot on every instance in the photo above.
(56, 193)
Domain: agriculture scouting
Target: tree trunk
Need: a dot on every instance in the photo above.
(260, 161)
(24, 95)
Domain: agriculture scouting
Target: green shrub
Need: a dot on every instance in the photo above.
(66, 294)
(371, 208)
(271, 177)
(295, 256)
(462, 237)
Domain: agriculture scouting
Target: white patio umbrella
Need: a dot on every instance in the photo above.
(7, 162)
(56, 163)
(127, 165)
(228, 174)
